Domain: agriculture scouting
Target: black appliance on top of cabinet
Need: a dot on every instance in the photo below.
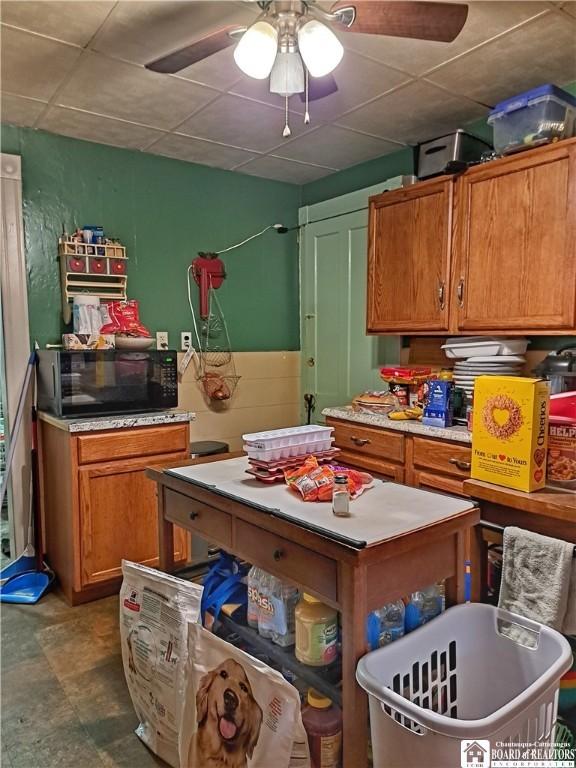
(79, 383)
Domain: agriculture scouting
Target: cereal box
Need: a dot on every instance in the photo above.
(510, 431)
(561, 465)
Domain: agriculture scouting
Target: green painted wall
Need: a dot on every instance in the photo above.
(164, 211)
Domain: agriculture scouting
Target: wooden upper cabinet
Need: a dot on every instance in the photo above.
(409, 258)
(515, 241)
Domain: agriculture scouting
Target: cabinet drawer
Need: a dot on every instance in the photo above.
(125, 444)
(368, 441)
(287, 559)
(448, 458)
(373, 465)
(429, 481)
(210, 523)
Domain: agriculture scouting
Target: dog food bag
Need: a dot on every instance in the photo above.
(155, 609)
(510, 431)
(238, 712)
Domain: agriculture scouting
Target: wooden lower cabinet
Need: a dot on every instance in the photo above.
(422, 462)
(96, 512)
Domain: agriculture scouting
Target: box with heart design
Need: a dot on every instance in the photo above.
(510, 431)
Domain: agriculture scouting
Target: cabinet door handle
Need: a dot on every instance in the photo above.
(194, 515)
(441, 296)
(360, 441)
(460, 292)
(278, 554)
(464, 465)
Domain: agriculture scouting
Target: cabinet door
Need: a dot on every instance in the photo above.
(516, 265)
(409, 258)
(118, 518)
(432, 481)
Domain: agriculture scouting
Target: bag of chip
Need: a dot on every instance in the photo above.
(122, 317)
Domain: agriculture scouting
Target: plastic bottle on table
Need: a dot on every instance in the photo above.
(254, 576)
(385, 625)
(424, 605)
(323, 723)
(284, 598)
(266, 606)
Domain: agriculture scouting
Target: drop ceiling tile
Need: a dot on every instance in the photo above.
(336, 147)
(143, 31)
(75, 23)
(199, 151)
(569, 7)
(34, 66)
(91, 127)
(414, 113)
(543, 51)
(16, 110)
(130, 92)
(271, 167)
(485, 20)
(241, 123)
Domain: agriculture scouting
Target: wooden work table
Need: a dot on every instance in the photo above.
(353, 580)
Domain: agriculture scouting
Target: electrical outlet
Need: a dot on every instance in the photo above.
(185, 340)
(161, 339)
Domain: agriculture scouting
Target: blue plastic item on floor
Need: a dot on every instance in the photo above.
(26, 588)
(26, 562)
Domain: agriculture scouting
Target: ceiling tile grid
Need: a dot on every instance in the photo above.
(78, 69)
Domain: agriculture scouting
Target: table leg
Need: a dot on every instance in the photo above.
(165, 537)
(352, 589)
(455, 586)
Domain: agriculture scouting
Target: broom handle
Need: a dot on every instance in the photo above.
(17, 422)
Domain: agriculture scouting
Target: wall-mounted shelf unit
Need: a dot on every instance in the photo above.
(95, 269)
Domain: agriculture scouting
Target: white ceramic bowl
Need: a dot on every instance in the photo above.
(133, 342)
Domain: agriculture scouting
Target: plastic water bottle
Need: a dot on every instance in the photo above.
(284, 599)
(266, 606)
(424, 605)
(385, 625)
(254, 577)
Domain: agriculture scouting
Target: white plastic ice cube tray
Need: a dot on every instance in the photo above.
(280, 438)
(286, 451)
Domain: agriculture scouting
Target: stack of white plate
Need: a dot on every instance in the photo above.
(466, 370)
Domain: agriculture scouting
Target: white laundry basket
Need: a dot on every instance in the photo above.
(459, 678)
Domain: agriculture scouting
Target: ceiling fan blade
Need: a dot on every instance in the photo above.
(422, 21)
(196, 51)
(319, 87)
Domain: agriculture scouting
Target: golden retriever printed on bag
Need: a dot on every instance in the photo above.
(229, 719)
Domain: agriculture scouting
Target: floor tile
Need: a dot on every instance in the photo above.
(129, 752)
(72, 648)
(64, 747)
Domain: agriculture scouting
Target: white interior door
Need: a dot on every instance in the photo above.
(338, 359)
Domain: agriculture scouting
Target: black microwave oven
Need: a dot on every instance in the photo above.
(78, 383)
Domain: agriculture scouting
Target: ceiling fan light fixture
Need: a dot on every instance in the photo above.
(320, 48)
(256, 51)
(287, 76)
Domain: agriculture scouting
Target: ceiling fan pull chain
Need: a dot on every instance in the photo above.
(306, 113)
(286, 132)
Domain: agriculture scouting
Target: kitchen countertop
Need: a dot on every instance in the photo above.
(458, 433)
(119, 421)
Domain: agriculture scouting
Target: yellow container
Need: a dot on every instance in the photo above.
(510, 431)
(316, 632)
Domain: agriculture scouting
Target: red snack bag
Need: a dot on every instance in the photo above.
(124, 317)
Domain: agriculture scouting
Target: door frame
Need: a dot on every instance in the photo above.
(16, 338)
(331, 210)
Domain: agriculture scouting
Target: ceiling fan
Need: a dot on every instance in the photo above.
(293, 40)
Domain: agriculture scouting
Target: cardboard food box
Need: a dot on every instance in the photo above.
(510, 431)
(561, 465)
(438, 411)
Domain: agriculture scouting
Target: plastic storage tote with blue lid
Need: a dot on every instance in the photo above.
(538, 116)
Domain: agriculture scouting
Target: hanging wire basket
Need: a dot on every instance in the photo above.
(218, 387)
